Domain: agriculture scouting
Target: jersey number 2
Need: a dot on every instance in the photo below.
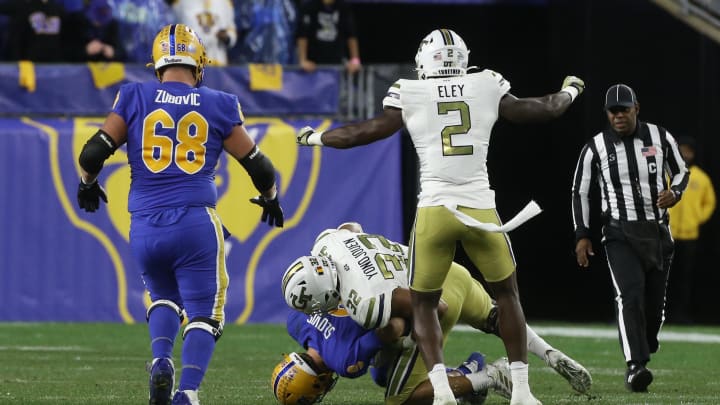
(448, 148)
(159, 151)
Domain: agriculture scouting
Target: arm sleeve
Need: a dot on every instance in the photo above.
(584, 173)
(373, 312)
(392, 98)
(231, 115)
(304, 23)
(228, 22)
(347, 22)
(676, 167)
(123, 105)
(503, 84)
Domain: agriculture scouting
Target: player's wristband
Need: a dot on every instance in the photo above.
(572, 91)
(315, 139)
(355, 61)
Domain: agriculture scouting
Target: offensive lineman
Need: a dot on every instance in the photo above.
(175, 131)
(367, 275)
(449, 115)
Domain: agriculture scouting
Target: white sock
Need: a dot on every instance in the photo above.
(537, 345)
(479, 381)
(519, 373)
(439, 380)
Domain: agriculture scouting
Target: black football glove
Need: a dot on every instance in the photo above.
(272, 211)
(89, 195)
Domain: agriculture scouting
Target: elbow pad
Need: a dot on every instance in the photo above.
(260, 169)
(96, 150)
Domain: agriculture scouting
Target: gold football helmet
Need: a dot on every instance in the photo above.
(178, 44)
(294, 382)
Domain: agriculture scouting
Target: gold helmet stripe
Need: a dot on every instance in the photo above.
(297, 267)
(447, 37)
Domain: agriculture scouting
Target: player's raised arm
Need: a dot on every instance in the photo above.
(361, 133)
(537, 109)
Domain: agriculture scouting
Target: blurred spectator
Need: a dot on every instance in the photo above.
(266, 32)
(694, 209)
(138, 22)
(40, 31)
(214, 21)
(326, 35)
(100, 33)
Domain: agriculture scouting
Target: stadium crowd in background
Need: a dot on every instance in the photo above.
(234, 31)
(214, 21)
(326, 35)
(455, 192)
(630, 160)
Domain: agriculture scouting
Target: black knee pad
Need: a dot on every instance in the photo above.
(211, 326)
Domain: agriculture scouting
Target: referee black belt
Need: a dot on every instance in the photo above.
(616, 223)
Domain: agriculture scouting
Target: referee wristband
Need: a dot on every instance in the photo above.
(572, 91)
(315, 138)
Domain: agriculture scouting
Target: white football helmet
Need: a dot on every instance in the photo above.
(441, 53)
(295, 382)
(310, 285)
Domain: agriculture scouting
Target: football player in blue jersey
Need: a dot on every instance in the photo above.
(175, 131)
(337, 346)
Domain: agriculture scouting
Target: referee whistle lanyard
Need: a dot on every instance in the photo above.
(530, 210)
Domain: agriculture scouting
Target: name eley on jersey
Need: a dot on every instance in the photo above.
(356, 250)
(454, 90)
(164, 97)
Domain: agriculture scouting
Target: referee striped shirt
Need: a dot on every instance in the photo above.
(630, 172)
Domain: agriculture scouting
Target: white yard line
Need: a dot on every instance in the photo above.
(43, 349)
(610, 333)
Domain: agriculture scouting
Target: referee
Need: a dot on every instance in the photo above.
(630, 161)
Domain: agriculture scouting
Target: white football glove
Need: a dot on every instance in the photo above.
(307, 136)
(574, 86)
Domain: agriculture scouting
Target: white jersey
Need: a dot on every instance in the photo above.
(207, 17)
(369, 268)
(450, 121)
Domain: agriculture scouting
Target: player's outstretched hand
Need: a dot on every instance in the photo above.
(272, 211)
(574, 81)
(307, 136)
(89, 195)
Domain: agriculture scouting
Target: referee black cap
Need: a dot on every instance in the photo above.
(620, 95)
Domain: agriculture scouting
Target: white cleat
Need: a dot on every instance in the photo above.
(186, 397)
(527, 399)
(578, 377)
(501, 381)
(444, 400)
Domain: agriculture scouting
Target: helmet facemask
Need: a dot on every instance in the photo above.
(441, 53)
(296, 381)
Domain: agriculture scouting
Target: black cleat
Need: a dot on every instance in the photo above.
(637, 378)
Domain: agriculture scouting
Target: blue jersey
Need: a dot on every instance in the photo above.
(345, 346)
(175, 138)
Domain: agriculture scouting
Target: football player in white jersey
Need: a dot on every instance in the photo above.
(372, 268)
(449, 115)
(367, 274)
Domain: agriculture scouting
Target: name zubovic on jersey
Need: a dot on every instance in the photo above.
(164, 97)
